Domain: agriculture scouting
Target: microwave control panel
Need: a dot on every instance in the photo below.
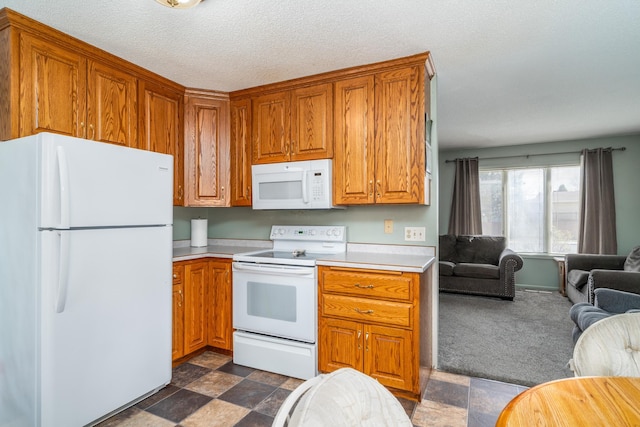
(317, 185)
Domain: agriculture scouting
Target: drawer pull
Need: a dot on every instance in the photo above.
(358, 285)
(175, 276)
(363, 311)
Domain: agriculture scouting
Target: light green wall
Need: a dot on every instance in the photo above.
(365, 224)
(540, 272)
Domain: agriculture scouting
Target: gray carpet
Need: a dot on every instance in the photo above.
(526, 341)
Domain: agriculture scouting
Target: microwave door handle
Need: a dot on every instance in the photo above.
(305, 195)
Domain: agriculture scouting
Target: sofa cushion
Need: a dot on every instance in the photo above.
(632, 263)
(479, 271)
(445, 268)
(577, 278)
(480, 249)
(448, 248)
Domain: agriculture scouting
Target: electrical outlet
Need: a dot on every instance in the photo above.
(388, 226)
(414, 234)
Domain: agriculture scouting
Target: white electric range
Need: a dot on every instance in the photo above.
(275, 300)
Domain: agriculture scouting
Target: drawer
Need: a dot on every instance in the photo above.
(368, 310)
(392, 285)
(178, 274)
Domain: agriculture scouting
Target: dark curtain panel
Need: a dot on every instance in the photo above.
(597, 232)
(465, 207)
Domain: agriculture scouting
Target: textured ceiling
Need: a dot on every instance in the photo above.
(509, 72)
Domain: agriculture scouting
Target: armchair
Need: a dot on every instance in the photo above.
(587, 272)
(607, 303)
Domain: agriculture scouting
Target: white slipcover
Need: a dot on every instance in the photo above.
(609, 347)
(345, 398)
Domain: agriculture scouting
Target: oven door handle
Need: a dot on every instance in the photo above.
(271, 269)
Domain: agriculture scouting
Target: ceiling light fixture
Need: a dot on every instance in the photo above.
(179, 4)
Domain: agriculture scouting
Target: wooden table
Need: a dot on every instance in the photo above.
(580, 401)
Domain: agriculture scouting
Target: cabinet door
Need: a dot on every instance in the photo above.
(195, 286)
(353, 168)
(241, 153)
(207, 151)
(388, 357)
(112, 112)
(160, 128)
(52, 89)
(312, 123)
(340, 344)
(177, 347)
(400, 145)
(220, 328)
(270, 123)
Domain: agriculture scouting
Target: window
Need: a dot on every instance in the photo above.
(535, 208)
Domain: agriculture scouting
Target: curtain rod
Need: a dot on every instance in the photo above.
(532, 155)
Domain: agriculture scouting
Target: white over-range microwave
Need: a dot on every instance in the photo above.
(293, 185)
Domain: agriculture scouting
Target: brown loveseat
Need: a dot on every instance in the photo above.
(479, 265)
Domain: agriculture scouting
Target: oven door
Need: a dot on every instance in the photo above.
(275, 300)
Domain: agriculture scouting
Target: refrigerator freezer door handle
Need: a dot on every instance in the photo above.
(63, 176)
(63, 273)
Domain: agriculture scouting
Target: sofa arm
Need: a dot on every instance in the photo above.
(621, 280)
(615, 301)
(509, 261)
(588, 262)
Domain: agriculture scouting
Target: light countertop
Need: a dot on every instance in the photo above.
(217, 248)
(415, 259)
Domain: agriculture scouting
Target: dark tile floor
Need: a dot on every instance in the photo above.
(210, 390)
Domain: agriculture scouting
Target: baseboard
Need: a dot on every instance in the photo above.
(540, 288)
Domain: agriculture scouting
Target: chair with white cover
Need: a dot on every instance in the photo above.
(343, 398)
(609, 347)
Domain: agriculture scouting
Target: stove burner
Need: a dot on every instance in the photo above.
(299, 252)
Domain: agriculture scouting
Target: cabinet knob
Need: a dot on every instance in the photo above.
(370, 188)
(175, 276)
(93, 132)
(378, 185)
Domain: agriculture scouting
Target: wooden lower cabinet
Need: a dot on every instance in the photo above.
(219, 327)
(177, 347)
(201, 306)
(369, 320)
(195, 310)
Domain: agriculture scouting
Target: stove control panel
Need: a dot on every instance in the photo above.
(326, 233)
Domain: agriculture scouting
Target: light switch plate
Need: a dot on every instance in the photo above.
(388, 226)
(414, 234)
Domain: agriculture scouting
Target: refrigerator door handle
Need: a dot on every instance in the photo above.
(63, 179)
(63, 272)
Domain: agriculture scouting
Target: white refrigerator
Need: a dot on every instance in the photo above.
(85, 279)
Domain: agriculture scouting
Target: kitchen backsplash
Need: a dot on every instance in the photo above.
(365, 224)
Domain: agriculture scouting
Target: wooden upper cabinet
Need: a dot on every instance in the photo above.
(293, 125)
(379, 138)
(112, 112)
(270, 122)
(241, 152)
(63, 92)
(160, 129)
(400, 141)
(312, 122)
(52, 89)
(353, 168)
(207, 149)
